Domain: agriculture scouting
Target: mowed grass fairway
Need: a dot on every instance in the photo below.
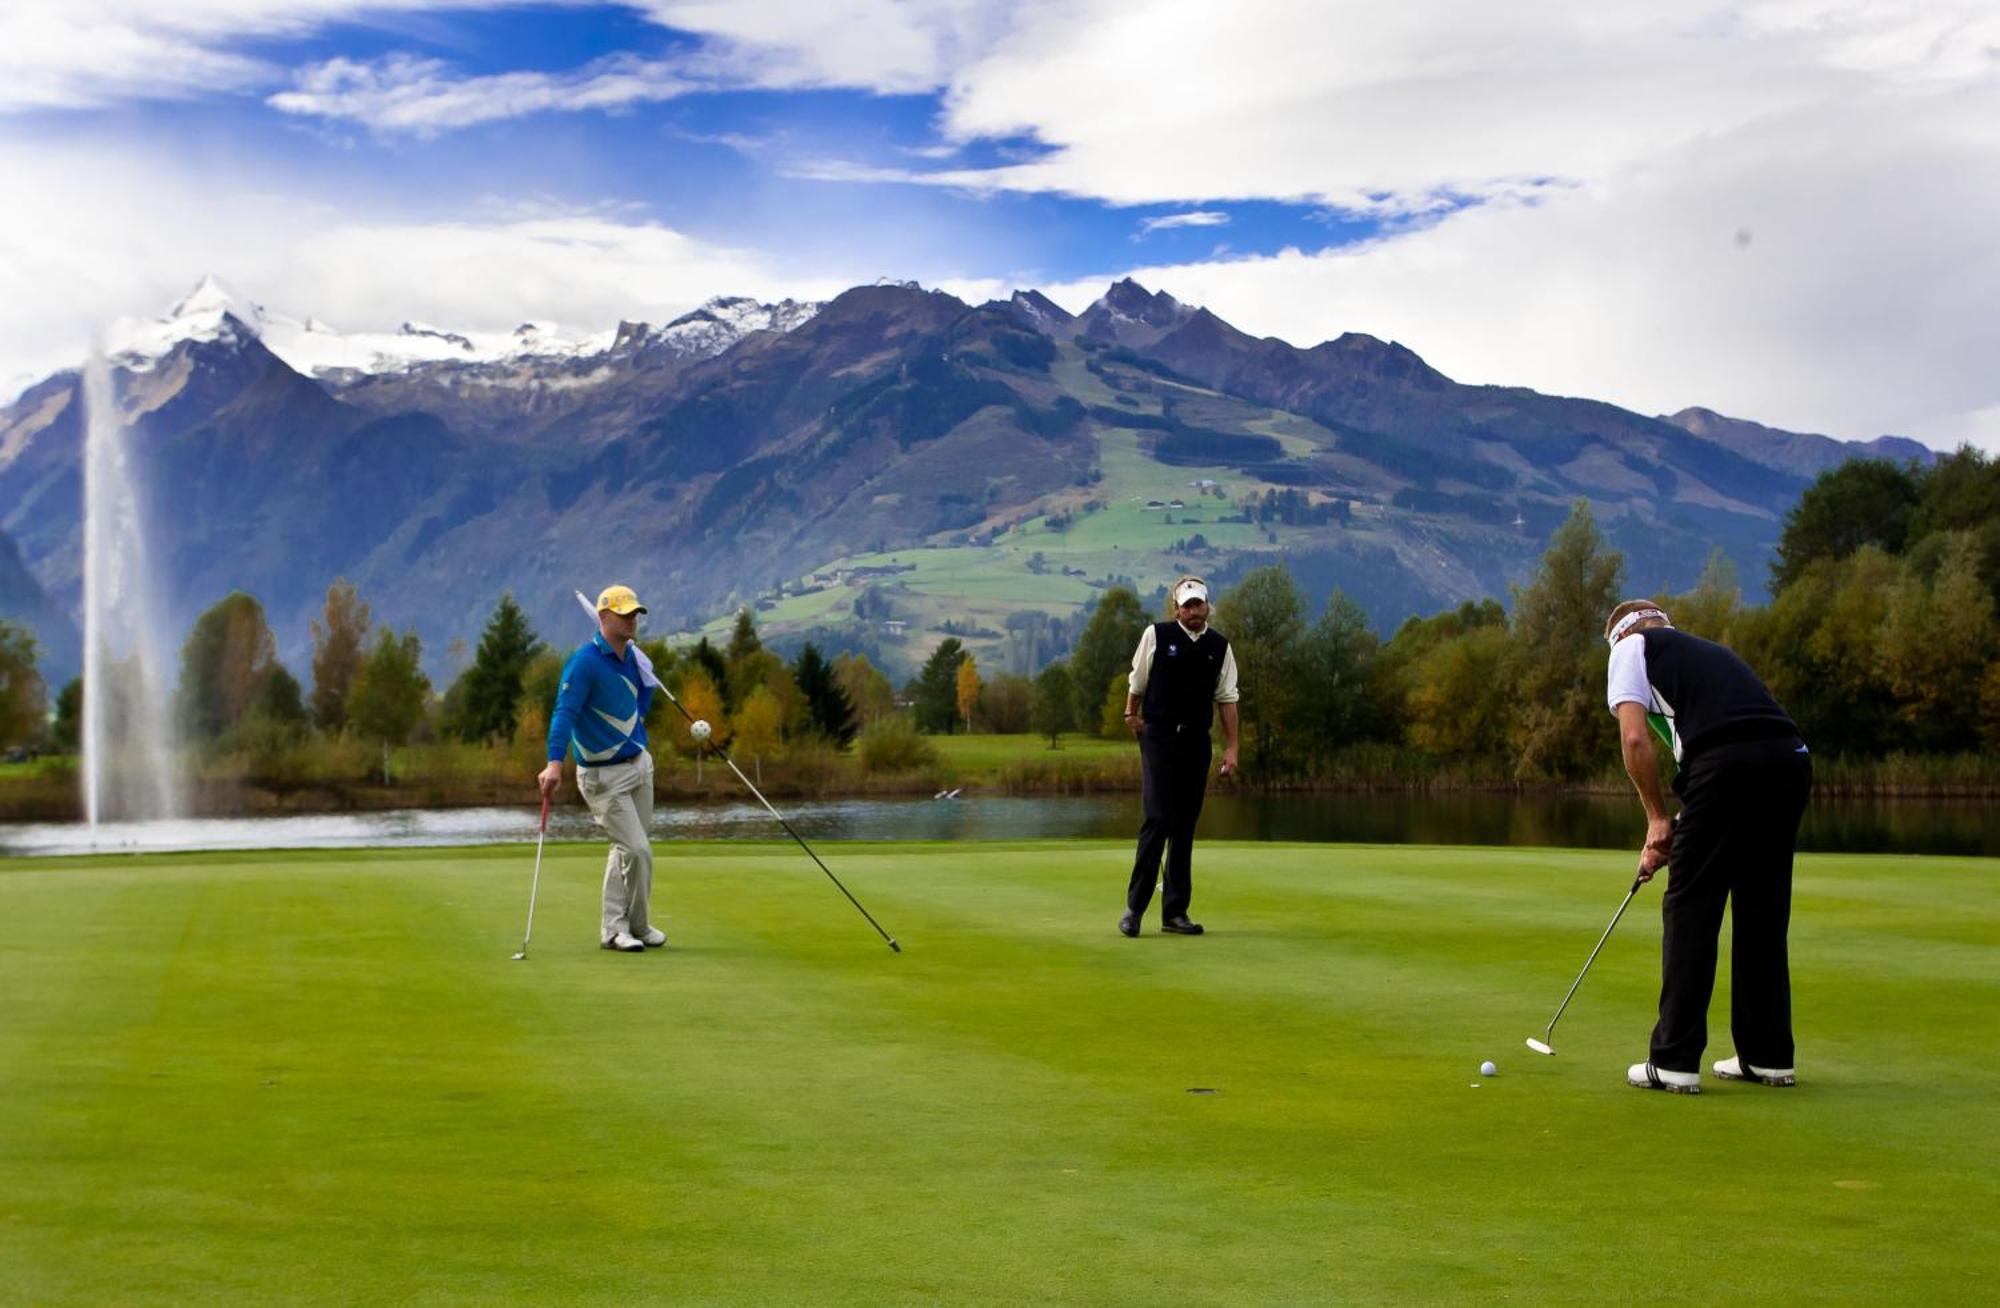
(318, 1077)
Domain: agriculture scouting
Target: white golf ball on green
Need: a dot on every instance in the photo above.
(699, 729)
(1487, 1069)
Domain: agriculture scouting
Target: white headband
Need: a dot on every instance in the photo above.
(1631, 620)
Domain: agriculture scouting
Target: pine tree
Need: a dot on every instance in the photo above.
(743, 639)
(937, 688)
(490, 691)
(828, 708)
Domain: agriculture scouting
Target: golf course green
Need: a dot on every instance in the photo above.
(318, 1077)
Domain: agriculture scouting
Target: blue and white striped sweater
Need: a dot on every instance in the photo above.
(601, 707)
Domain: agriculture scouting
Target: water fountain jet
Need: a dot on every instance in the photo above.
(128, 740)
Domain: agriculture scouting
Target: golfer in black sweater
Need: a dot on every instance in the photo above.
(1743, 779)
(1182, 672)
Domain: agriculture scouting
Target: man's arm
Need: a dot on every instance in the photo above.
(1229, 736)
(1642, 764)
(562, 724)
(1135, 685)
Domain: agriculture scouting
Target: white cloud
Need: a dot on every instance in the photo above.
(400, 93)
(1370, 106)
(74, 54)
(1830, 272)
(882, 46)
(1193, 218)
(1611, 151)
(891, 47)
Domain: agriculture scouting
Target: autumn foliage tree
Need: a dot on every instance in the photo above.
(339, 635)
(967, 690)
(226, 664)
(700, 696)
(23, 697)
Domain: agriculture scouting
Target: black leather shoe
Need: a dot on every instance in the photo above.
(1128, 925)
(1180, 926)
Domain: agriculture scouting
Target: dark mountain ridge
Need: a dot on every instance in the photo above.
(890, 419)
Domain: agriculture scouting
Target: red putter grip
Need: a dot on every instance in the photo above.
(545, 814)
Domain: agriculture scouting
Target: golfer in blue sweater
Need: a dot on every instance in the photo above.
(601, 709)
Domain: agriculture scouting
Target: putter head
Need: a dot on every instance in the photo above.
(520, 957)
(1541, 1047)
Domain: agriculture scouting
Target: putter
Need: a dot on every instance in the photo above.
(1544, 1045)
(724, 756)
(540, 837)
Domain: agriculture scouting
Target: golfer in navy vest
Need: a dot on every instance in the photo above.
(1743, 779)
(601, 710)
(1181, 672)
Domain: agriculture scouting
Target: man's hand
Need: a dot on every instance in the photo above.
(549, 779)
(1659, 840)
(1133, 722)
(1228, 761)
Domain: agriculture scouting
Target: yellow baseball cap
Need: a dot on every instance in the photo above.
(620, 600)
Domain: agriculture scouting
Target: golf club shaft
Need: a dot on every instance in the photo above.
(724, 756)
(534, 886)
(1550, 1033)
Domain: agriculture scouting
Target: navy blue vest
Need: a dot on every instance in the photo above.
(1180, 689)
(1711, 694)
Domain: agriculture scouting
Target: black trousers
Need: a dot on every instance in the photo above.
(1739, 820)
(1173, 770)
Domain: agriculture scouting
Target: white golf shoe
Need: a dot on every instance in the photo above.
(625, 943)
(652, 937)
(1735, 1069)
(1647, 1077)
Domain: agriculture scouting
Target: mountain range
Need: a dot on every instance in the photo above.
(878, 471)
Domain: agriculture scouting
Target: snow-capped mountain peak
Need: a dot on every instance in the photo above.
(209, 312)
(714, 327)
(209, 296)
(212, 311)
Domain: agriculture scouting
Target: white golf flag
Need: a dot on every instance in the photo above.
(646, 673)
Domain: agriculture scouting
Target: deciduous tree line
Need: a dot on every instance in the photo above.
(1880, 638)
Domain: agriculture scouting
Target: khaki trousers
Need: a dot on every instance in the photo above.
(620, 796)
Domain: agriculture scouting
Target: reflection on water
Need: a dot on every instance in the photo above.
(1577, 821)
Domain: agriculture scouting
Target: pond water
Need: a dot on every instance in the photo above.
(1578, 821)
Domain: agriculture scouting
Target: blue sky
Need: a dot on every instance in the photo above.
(1777, 208)
(730, 167)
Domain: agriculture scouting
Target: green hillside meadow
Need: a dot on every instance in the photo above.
(318, 1078)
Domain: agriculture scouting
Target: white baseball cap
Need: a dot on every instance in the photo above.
(1190, 590)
